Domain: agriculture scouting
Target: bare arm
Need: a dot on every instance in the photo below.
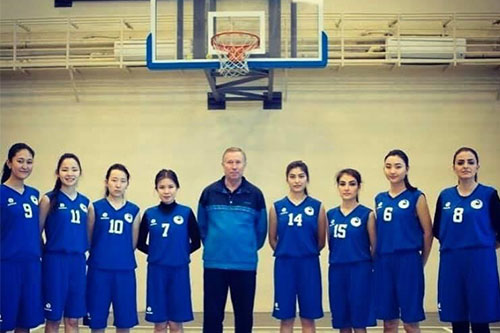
(321, 228)
(44, 207)
(273, 228)
(372, 233)
(135, 229)
(426, 222)
(90, 221)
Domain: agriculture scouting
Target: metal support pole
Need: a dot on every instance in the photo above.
(199, 29)
(180, 29)
(274, 28)
(293, 30)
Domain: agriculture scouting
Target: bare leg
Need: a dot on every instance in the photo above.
(345, 330)
(286, 325)
(308, 325)
(391, 326)
(51, 326)
(70, 325)
(411, 327)
(175, 327)
(160, 327)
(360, 330)
(122, 330)
(21, 330)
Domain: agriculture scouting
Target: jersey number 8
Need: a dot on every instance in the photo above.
(458, 215)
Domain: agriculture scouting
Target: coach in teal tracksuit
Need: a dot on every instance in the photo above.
(233, 224)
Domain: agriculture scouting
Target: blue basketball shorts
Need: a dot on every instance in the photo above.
(351, 295)
(399, 286)
(168, 294)
(105, 287)
(63, 284)
(468, 287)
(20, 294)
(297, 279)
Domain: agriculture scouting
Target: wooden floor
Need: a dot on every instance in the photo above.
(265, 323)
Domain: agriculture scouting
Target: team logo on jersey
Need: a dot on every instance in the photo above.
(48, 307)
(178, 219)
(309, 211)
(476, 204)
(83, 207)
(104, 216)
(34, 200)
(356, 221)
(447, 205)
(439, 307)
(153, 222)
(62, 205)
(332, 222)
(276, 306)
(10, 202)
(380, 204)
(283, 211)
(149, 310)
(404, 204)
(128, 217)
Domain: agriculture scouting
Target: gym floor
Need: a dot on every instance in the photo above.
(264, 323)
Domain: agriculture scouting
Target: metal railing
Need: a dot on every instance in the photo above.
(354, 39)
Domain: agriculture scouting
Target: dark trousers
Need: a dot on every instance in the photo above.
(463, 327)
(216, 283)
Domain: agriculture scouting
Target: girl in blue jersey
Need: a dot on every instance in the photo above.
(297, 229)
(404, 239)
(467, 224)
(173, 235)
(63, 214)
(111, 265)
(351, 239)
(21, 292)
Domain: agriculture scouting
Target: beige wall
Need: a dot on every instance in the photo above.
(331, 119)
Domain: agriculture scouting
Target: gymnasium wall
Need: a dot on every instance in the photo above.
(331, 119)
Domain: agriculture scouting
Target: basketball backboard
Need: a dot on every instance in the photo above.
(290, 32)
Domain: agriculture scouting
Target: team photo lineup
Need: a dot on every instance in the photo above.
(65, 259)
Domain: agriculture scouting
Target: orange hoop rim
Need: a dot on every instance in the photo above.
(230, 47)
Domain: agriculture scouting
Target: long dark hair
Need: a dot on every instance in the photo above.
(302, 166)
(351, 172)
(401, 154)
(116, 166)
(166, 173)
(461, 150)
(57, 186)
(14, 149)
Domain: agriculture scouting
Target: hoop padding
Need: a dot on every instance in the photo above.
(233, 49)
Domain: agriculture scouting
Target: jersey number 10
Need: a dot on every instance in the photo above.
(115, 227)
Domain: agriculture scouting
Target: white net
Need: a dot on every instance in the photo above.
(233, 49)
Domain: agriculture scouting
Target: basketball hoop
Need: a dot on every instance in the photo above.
(233, 48)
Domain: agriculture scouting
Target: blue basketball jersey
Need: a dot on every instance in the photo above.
(398, 226)
(348, 235)
(297, 227)
(168, 234)
(19, 224)
(465, 222)
(112, 239)
(66, 224)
